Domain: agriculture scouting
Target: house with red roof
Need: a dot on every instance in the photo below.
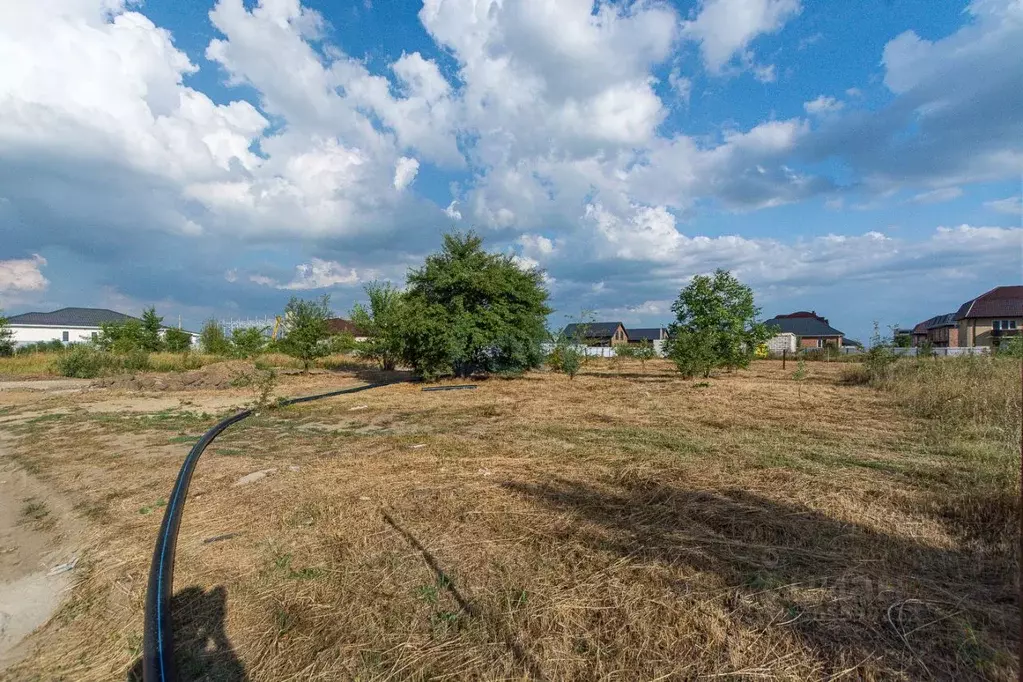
(992, 318)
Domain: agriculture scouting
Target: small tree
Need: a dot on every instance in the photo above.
(248, 341)
(177, 340)
(307, 329)
(382, 325)
(149, 334)
(644, 351)
(121, 337)
(624, 351)
(879, 359)
(566, 356)
(341, 344)
(6, 337)
(716, 322)
(693, 352)
(213, 339)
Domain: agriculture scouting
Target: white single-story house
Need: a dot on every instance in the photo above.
(68, 325)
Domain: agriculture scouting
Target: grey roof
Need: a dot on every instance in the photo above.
(594, 330)
(803, 326)
(646, 334)
(71, 317)
(948, 320)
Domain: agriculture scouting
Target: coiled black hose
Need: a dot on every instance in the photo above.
(158, 637)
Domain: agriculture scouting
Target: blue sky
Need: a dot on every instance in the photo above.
(215, 158)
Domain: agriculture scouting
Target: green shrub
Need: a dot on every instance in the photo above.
(1012, 349)
(82, 362)
(133, 361)
(693, 352)
(6, 338)
(213, 339)
(879, 361)
(177, 340)
(54, 346)
(248, 341)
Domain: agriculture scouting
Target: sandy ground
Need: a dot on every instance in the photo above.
(31, 590)
(45, 385)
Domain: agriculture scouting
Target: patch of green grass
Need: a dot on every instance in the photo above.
(191, 440)
(44, 418)
(427, 593)
(282, 562)
(149, 509)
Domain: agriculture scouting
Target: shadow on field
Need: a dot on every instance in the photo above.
(202, 650)
(854, 596)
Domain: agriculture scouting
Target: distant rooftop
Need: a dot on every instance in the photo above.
(593, 330)
(999, 302)
(803, 324)
(70, 317)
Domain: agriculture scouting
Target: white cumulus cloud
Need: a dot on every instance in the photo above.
(405, 172)
(23, 274)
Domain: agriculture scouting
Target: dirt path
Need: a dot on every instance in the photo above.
(36, 531)
(45, 385)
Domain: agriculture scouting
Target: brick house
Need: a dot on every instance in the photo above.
(811, 330)
(991, 318)
(941, 331)
(598, 333)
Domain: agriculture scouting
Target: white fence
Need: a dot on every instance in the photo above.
(602, 351)
(945, 352)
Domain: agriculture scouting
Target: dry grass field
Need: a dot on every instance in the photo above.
(625, 525)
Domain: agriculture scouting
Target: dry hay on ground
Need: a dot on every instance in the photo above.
(625, 525)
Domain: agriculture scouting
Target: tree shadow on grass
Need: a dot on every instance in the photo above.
(856, 598)
(202, 650)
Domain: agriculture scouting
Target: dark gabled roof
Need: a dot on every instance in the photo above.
(803, 326)
(947, 320)
(999, 302)
(71, 317)
(594, 330)
(646, 334)
(339, 325)
(851, 343)
(803, 313)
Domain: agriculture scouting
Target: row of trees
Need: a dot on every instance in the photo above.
(467, 311)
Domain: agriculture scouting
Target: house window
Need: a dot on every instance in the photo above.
(95, 335)
(1004, 325)
(65, 336)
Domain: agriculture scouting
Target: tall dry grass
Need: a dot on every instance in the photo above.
(973, 407)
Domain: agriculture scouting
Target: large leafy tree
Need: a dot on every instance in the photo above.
(306, 323)
(715, 325)
(381, 322)
(468, 311)
(6, 337)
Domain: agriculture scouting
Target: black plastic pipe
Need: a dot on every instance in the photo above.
(158, 636)
(463, 387)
